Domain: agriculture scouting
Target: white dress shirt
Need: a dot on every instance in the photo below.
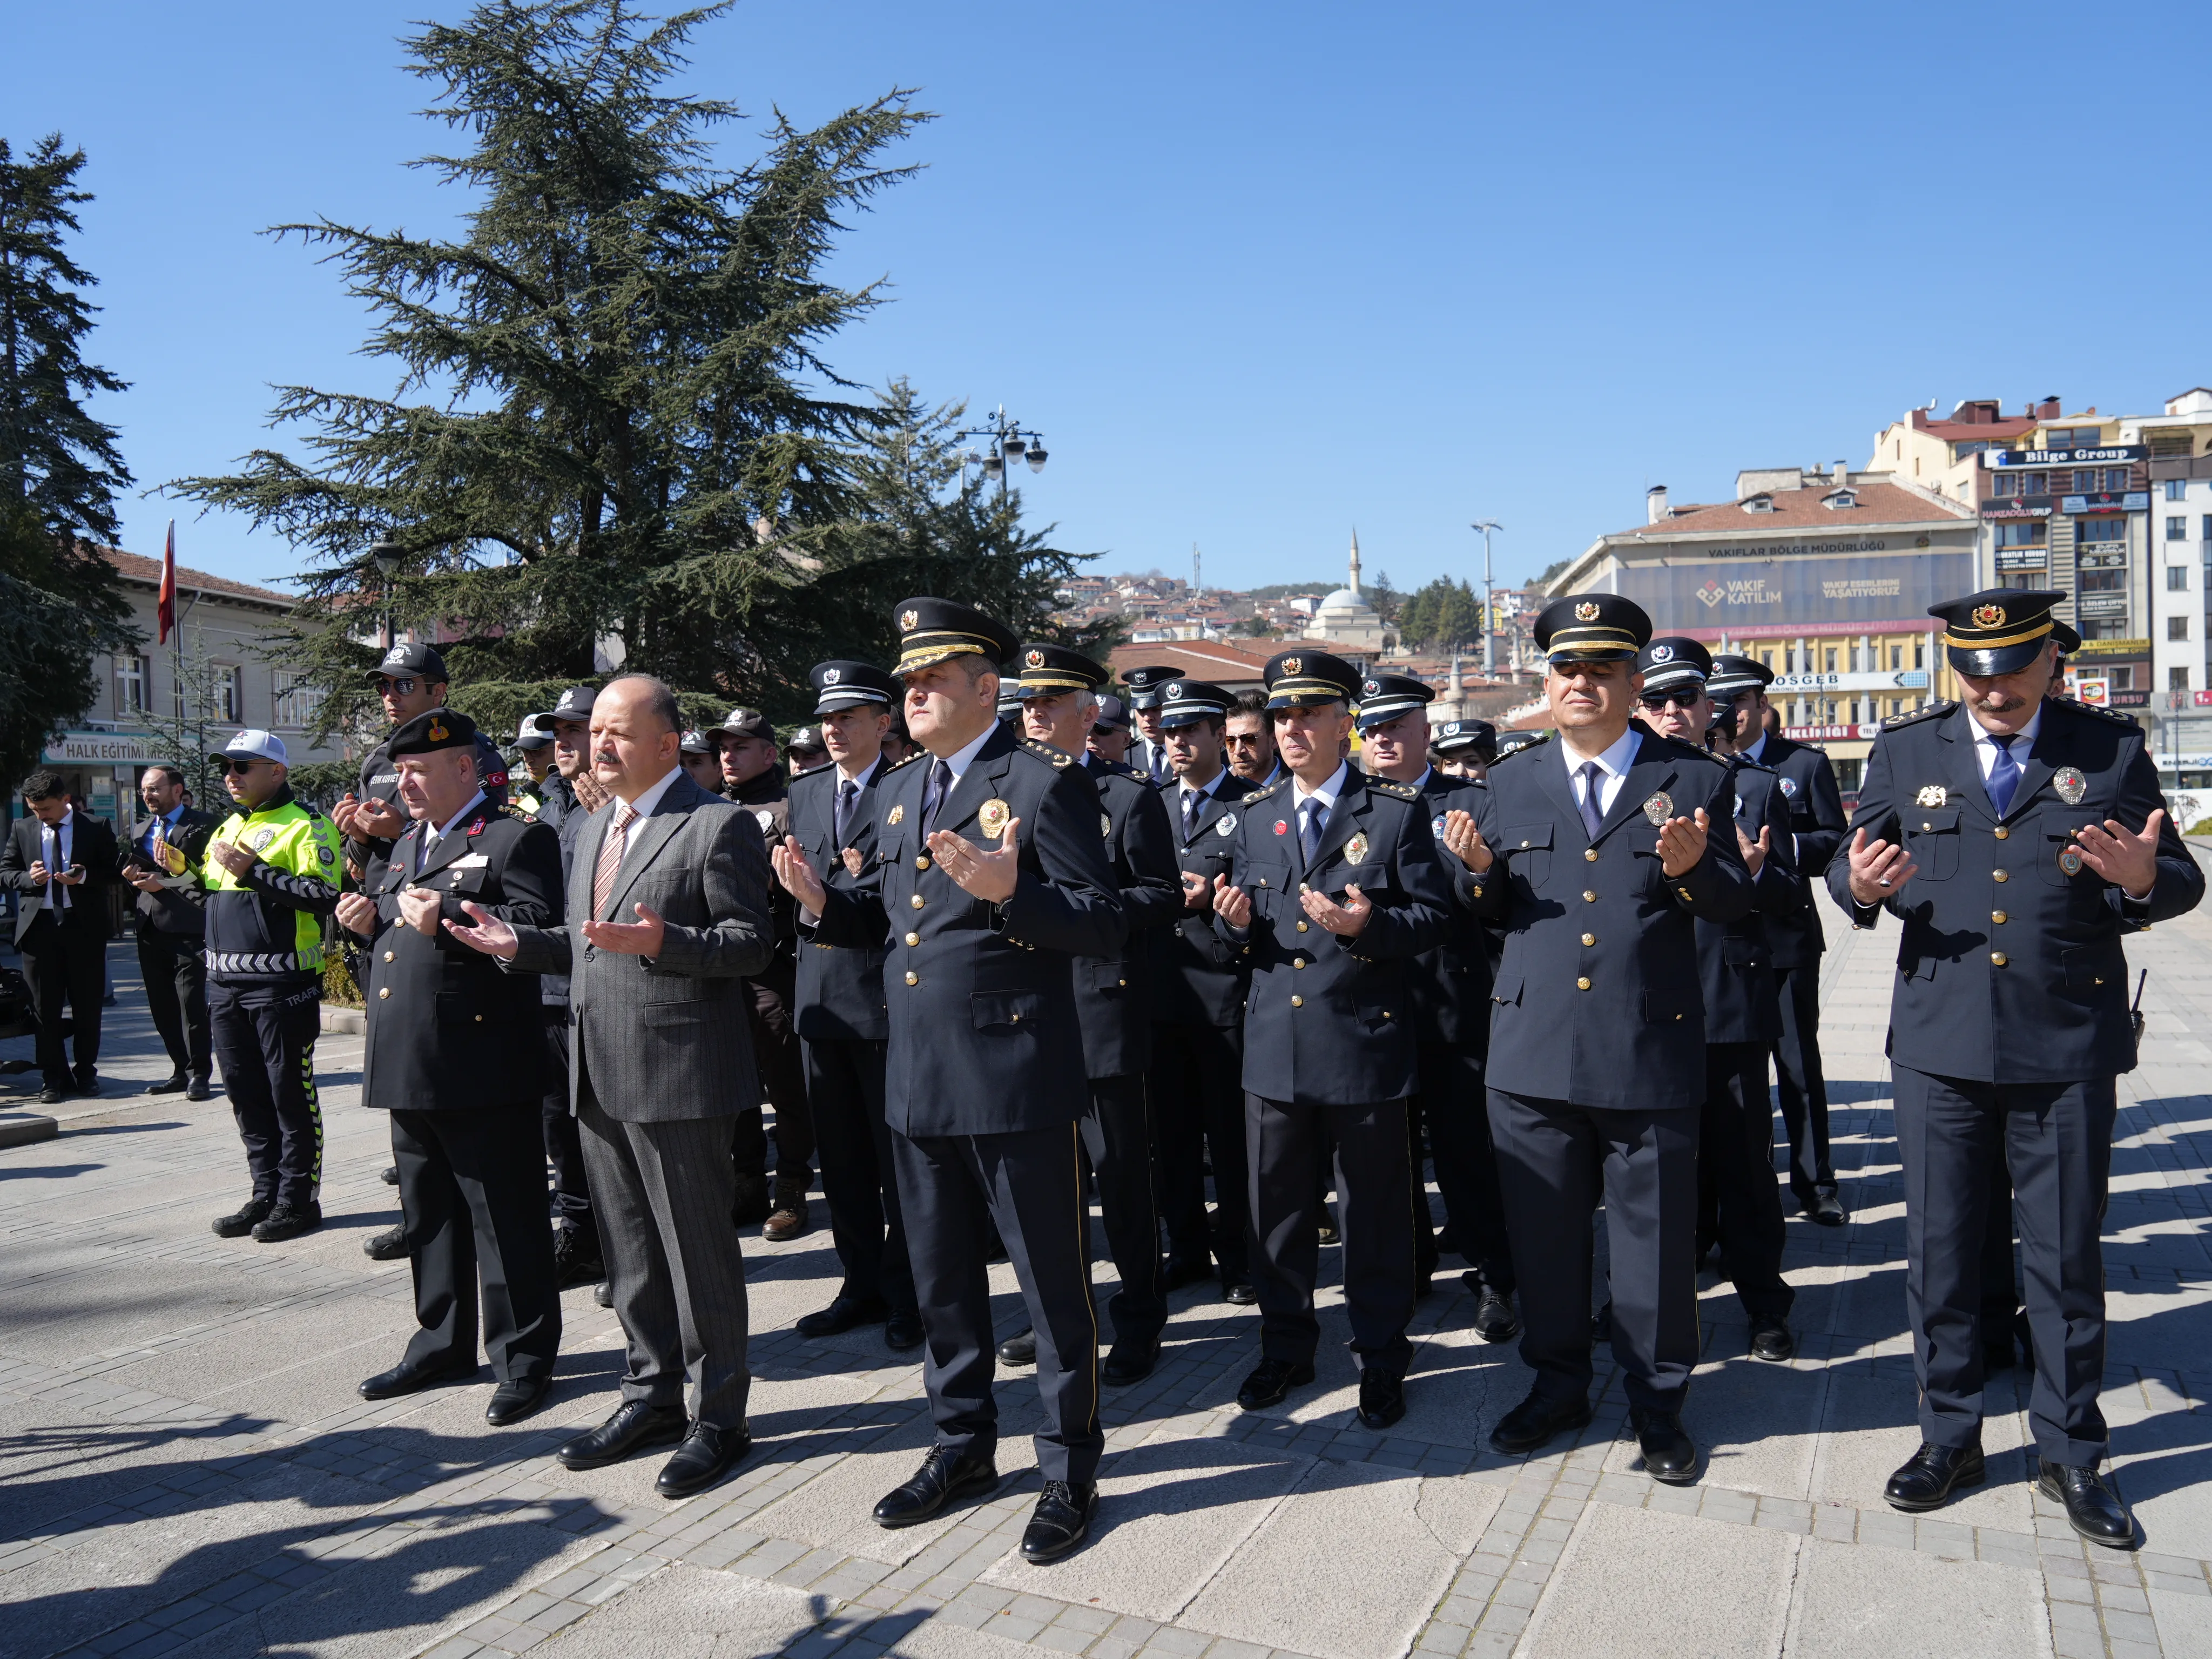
(1324, 797)
(431, 836)
(1612, 765)
(1985, 749)
(958, 764)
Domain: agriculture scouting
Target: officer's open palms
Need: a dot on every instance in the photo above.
(797, 875)
(989, 875)
(491, 935)
(1465, 842)
(1755, 852)
(1232, 904)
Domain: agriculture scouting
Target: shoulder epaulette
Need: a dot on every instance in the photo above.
(1936, 708)
(508, 809)
(2097, 709)
(1541, 739)
(1047, 753)
(1745, 764)
(812, 770)
(1392, 786)
(909, 761)
(1262, 792)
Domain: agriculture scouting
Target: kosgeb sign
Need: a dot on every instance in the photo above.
(1809, 592)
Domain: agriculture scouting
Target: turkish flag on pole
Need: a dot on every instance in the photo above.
(167, 609)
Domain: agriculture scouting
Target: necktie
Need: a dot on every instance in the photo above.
(2004, 775)
(1159, 764)
(1593, 819)
(1316, 816)
(933, 794)
(610, 857)
(57, 865)
(1189, 811)
(846, 790)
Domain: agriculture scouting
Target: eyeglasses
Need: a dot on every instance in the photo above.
(1659, 702)
(223, 764)
(1243, 740)
(402, 686)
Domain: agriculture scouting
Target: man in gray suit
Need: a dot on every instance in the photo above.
(659, 1062)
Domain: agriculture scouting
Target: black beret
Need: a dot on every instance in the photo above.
(433, 730)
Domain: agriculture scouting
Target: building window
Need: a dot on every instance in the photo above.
(2124, 676)
(1831, 659)
(2072, 437)
(297, 702)
(1920, 653)
(2116, 479)
(1896, 659)
(2100, 530)
(2204, 528)
(2177, 579)
(2177, 526)
(223, 689)
(2176, 627)
(131, 678)
(2020, 532)
(1766, 658)
(2177, 489)
(2177, 679)
(2092, 580)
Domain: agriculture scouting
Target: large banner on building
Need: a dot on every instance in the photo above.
(1800, 593)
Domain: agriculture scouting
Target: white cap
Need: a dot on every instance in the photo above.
(254, 741)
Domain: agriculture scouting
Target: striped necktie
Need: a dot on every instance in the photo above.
(610, 857)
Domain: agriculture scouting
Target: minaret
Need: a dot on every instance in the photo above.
(1354, 583)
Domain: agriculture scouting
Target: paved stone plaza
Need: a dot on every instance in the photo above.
(187, 1469)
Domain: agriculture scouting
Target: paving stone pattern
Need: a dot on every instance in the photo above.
(185, 1468)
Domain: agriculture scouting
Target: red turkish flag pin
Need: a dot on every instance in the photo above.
(1282, 828)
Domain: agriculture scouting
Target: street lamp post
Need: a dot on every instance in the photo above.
(1489, 647)
(387, 553)
(1010, 443)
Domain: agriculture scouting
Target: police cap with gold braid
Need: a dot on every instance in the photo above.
(935, 630)
(1305, 679)
(432, 730)
(1047, 670)
(2000, 631)
(1592, 628)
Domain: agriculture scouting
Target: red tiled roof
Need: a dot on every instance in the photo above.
(1878, 503)
(149, 571)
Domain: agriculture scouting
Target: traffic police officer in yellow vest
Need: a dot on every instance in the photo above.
(272, 873)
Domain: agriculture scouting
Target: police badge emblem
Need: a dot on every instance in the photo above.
(993, 816)
(1586, 611)
(831, 676)
(2069, 859)
(910, 620)
(1658, 809)
(1789, 785)
(1370, 687)
(1355, 850)
(1293, 665)
(1105, 823)
(1933, 795)
(261, 838)
(897, 814)
(1988, 615)
(2071, 786)
(1436, 826)
(1033, 659)
(1662, 653)
(1227, 825)
(766, 818)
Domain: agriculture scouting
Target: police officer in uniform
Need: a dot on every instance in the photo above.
(452, 1054)
(843, 1024)
(1059, 688)
(993, 882)
(1199, 982)
(1451, 998)
(1110, 730)
(1146, 757)
(1335, 888)
(1816, 820)
(1738, 1203)
(2018, 839)
(411, 679)
(533, 743)
(1596, 853)
(1465, 748)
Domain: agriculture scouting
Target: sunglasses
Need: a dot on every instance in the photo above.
(1243, 740)
(403, 685)
(223, 765)
(1658, 701)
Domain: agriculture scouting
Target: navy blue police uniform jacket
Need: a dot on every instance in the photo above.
(1114, 995)
(1329, 1020)
(1198, 978)
(840, 994)
(984, 1036)
(1735, 959)
(1598, 1000)
(1807, 781)
(1451, 983)
(2011, 969)
(449, 1030)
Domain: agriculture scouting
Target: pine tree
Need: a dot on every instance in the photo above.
(61, 603)
(614, 435)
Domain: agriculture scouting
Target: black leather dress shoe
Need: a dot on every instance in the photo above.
(1827, 1210)
(404, 1378)
(1770, 1340)
(174, 1084)
(1928, 1478)
(199, 1089)
(1494, 1318)
(903, 1333)
(603, 1293)
(1018, 1350)
(1239, 1292)
(1129, 1362)
(1669, 1453)
(844, 1313)
(1382, 1398)
(944, 1478)
(1536, 1420)
(634, 1427)
(53, 1095)
(1270, 1383)
(240, 1222)
(1183, 1270)
(512, 1401)
(390, 1176)
(1061, 1521)
(390, 1245)
(706, 1455)
(2093, 1508)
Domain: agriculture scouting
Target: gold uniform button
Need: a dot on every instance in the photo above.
(1581, 985)
(1997, 916)
(1999, 875)
(383, 993)
(1590, 939)
(1302, 928)
(921, 861)
(1590, 855)
(914, 978)
(914, 939)
(2001, 832)
(1998, 957)
(388, 956)
(1297, 1002)
(1927, 826)
(915, 901)
(1298, 962)
(1589, 897)
(1478, 889)
(479, 1019)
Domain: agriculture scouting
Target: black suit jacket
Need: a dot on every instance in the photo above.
(1451, 983)
(840, 986)
(1114, 995)
(1735, 959)
(1806, 780)
(1198, 978)
(2011, 969)
(181, 905)
(92, 844)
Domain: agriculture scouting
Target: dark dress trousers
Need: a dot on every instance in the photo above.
(558, 806)
(171, 927)
(777, 1050)
(845, 1028)
(452, 1052)
(1198, 986)
(1807, 781)
(2009, 1023)
(659, 1062)
(985, 1088)
(1113, 1005)
(1331, 1040)
(1597, 1052)
(65, 948)
(1451, 1000)
(1739, 1202)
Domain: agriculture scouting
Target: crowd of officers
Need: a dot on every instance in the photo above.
(1030, 940)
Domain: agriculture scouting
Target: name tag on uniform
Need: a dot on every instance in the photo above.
(470, 861)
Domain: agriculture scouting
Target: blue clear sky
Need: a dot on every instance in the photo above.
(1264, 272)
